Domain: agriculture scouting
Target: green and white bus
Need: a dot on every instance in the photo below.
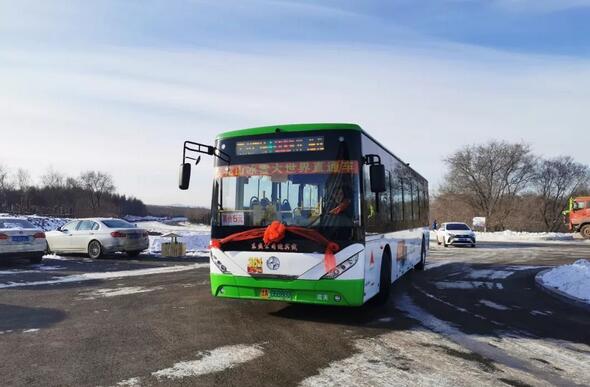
(311, 213)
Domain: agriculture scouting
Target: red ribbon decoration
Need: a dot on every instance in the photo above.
(275, 233)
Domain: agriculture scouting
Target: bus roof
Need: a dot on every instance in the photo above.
(288, 128)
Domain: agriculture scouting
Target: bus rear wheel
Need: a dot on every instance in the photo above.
(384, 279)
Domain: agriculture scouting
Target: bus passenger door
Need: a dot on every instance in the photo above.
(373, 255)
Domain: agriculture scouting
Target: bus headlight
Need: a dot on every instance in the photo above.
(218, 263)
(341, 268)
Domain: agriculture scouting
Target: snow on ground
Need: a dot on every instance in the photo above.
(520, 236)
(43, 222)
(493, 305)
(573, 279)
(37, 269)
(517, 236)
(164, 219)
(416, 358)
(177, 227)
(105, 275)
(468, 285)
(215, 360)
(122, 291)
(132, 382)
(196, 236)
(489, 274)
(570, 359)
(206, 362)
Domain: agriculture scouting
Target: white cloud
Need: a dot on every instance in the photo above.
(127, 111)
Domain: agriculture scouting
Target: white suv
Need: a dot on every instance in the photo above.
(455, 233)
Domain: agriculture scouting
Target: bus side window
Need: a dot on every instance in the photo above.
(384, 214)
(403, 200)
(418, 202)
(409, 201)
(398, 202)
(391, 197)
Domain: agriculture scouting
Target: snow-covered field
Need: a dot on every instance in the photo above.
(573, 280)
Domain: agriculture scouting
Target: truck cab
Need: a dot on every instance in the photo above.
(579, 215)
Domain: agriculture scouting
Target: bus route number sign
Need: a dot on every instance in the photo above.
(233, 218)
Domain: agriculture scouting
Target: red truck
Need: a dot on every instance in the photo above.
(578, 215)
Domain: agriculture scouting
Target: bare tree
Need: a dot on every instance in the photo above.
(488, 177)
(97, 184)
(52, 179)
(22, 179)
(5, 186)
(4, 179)
(72, 183)
(23, 186)
(555, 180)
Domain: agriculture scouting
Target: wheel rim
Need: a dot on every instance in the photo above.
(586, 232)
(94, 249)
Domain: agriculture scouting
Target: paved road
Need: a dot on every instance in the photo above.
(474, 317)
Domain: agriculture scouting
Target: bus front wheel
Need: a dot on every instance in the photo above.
(384, 279)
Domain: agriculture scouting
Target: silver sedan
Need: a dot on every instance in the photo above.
(19, 238)
(98, 236)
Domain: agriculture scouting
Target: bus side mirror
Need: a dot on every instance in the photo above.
(377, 174)
(184, 176)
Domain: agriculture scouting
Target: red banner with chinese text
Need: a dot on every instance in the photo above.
(290, 168)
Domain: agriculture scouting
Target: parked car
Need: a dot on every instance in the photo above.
(98, 236)
(455, 233)
(19, 238)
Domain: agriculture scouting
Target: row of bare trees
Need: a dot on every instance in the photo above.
(510, 186)
(92, 193)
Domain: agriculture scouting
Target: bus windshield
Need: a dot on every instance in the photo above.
(306, 194)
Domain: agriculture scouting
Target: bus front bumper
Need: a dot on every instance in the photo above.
(321, 292)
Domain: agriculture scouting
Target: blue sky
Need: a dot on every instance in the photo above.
(118, 85)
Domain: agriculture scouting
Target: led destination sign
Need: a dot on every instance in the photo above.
(283, 145)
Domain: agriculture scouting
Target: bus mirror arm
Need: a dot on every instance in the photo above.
(195, 147)
(204, 149)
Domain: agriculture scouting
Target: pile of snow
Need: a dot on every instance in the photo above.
(574, 279)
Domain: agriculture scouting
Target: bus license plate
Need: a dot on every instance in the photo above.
(280, 294)
(20, 238)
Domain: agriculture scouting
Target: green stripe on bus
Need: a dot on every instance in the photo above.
(323, 292)
(288, 128)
